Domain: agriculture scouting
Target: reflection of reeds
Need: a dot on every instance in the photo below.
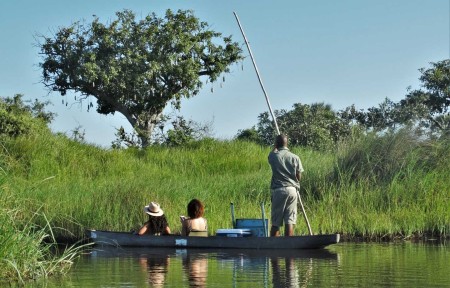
(82, 186)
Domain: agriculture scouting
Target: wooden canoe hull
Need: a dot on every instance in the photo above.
(217, 242)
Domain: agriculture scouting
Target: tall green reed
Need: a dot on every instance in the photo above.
(371, 187)
(28, 251)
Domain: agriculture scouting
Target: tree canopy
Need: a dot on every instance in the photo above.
(429, 106)
(316, 126)
(425, 109)
(136, 67)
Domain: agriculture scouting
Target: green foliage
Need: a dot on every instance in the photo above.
(436, 81)
(185, 132)
(136, 67)
(123, 138)
(391, 186)
(428, 107)
(12, 125)
(316, 126)
(18, 118)
(250, 135)
(395, 184)
(182, 133)
(27, 250)
(425, 109)
(378, 159)
(376, 119)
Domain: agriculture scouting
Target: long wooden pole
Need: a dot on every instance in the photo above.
(263, 215)
(304, 213)
(257, 73)
(233, 222)
(270, 109)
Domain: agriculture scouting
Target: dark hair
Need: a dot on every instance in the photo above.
(157, 224)
(281, 141)
(195, 208)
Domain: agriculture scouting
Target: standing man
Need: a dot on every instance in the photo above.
(286, 175)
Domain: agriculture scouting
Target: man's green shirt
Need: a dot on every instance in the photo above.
(285, 165)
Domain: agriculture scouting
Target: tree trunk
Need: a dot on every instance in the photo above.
(144, 128)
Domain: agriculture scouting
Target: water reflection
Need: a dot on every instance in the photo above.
(232, 268)
(285, 273)
(196, 267)
(275, 268)
(287, 277)
(344, 265)
(157, 268)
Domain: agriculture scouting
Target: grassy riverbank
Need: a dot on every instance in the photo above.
(29, 251)
(394, 186)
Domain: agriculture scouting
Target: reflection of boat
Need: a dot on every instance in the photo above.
(323, 254)
(220, 254)
(278, 243)
(293, 267)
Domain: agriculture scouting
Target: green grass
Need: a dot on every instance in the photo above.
(29, 251)
(390, 186)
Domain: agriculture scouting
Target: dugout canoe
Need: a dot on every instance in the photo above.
(128, 239)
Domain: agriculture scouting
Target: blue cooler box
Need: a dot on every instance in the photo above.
(256, 226)
(234, 232)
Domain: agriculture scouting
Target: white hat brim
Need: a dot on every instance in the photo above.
(147, 210)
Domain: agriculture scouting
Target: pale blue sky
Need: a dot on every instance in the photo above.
(338, 52)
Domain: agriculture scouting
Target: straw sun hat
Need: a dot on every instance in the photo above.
(153, 209)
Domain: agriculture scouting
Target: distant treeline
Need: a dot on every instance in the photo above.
(425, 111)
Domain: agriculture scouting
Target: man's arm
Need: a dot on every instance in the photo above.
(298, 174)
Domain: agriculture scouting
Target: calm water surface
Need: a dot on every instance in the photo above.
(342, 265)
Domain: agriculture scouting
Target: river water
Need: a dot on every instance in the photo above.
(342, 265)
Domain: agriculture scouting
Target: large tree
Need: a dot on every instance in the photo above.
(430, 105)
(427, 108)
(136, 67)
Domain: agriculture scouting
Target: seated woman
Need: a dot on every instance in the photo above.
(195, 222)
(157, 223)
